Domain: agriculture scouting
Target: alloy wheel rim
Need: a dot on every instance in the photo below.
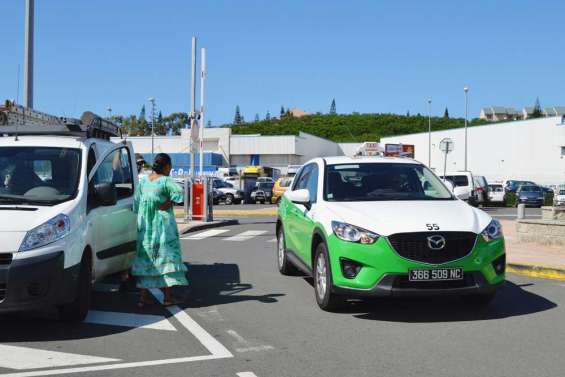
(321, 276)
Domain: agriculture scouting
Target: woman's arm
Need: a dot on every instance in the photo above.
(175, 192)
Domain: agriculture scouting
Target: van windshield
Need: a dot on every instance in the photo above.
(38, 175)
(382, 181)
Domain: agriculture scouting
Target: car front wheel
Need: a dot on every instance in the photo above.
(77, 310)
(229, 199)
(326, 299)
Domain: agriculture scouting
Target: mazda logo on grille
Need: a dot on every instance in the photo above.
(436, 242)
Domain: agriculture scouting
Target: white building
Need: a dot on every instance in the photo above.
(531, 149)
(224, 149)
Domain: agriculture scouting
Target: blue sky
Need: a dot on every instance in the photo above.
(372, 56)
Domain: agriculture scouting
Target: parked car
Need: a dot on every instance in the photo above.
(230, 193)
(480, 191)
(217, 196)
(265, 180)
(530, 195)
(281, 186)
(366, 227)
(512, 185)
(496, 194)
(262, 192)
(559, 199)
(463, 185)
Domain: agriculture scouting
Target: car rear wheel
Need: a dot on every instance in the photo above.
(326, 299)
(229, 199)
(77, 310)
(284, 265)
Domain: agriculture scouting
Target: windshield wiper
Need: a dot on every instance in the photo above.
(18, 200)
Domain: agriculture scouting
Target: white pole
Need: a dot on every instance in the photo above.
(193, 104)
(201, 133)
(28, 57)
(466, 89)
(430, 133)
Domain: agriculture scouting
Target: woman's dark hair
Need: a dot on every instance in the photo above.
(160, 163)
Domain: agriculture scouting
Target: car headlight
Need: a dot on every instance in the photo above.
(49, 232)
(351, 233)
(493, 231)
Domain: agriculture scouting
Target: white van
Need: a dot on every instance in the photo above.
(66, 213)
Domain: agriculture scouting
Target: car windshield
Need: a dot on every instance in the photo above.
(37, 175)
(382, 181)
(561, 192)
(265, 185)
(530, 189)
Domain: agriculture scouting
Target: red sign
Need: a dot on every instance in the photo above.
(399, 150)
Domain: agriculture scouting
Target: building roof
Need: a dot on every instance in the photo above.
(297, 112)
(498, 109)
(487, 110)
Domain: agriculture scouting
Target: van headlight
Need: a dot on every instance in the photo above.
(351, 233)
(49, 232)
(493, 231)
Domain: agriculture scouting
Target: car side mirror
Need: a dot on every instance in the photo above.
(299, 197)
(105, 194)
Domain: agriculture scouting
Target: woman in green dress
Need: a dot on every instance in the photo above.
(158, 263)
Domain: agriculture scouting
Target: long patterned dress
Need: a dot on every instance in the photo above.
(158, 262)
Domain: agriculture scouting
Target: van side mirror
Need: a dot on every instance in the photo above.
(105, 194)
(461, 193)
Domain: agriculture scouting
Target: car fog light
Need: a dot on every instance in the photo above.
(499, 264)
(349, 268)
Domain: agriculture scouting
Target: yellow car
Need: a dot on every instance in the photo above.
(281, 185)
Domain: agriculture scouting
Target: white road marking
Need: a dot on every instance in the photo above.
(145, 321)
(21, 358)
(66, 371)
(273, 240)
(206, 234)
(255, 349)
(246, 374)
(247, 235)
(207, 340)
(246, 345)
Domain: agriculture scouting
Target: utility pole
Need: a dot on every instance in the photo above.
(109, 109)
(466, 90)
(201, 120)
(193, 123)
(429, 133)
(28, 57)
(152, 100)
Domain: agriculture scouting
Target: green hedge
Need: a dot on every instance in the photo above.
(548, 199)
(510, 199)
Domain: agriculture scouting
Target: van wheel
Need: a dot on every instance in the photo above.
(284, 265)
(229, 199)
(326, 299)
(77, 310)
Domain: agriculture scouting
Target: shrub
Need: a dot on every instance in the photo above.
(510, 199)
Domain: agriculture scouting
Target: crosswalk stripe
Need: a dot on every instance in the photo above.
(247, 235)
(145, 321)
(21, 358)
(206, 234)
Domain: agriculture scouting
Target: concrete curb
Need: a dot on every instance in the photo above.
(536, 271)
(215, 224)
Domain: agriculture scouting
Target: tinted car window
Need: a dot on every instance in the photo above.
(458, 180)
(312, 184)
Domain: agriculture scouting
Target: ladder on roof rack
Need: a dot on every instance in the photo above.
(19, 120)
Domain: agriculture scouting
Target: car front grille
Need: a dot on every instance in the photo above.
(415, 246)
(5, 258)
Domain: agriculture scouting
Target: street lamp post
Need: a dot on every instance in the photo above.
(466, 90)
(28, 57)
(429, 133)
(152, 100)
(109, 110)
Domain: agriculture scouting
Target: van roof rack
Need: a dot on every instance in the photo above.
(20, 120)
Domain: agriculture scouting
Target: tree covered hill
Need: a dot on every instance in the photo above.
(350, 127)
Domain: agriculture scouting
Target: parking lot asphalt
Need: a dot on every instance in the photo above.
(240, 317)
